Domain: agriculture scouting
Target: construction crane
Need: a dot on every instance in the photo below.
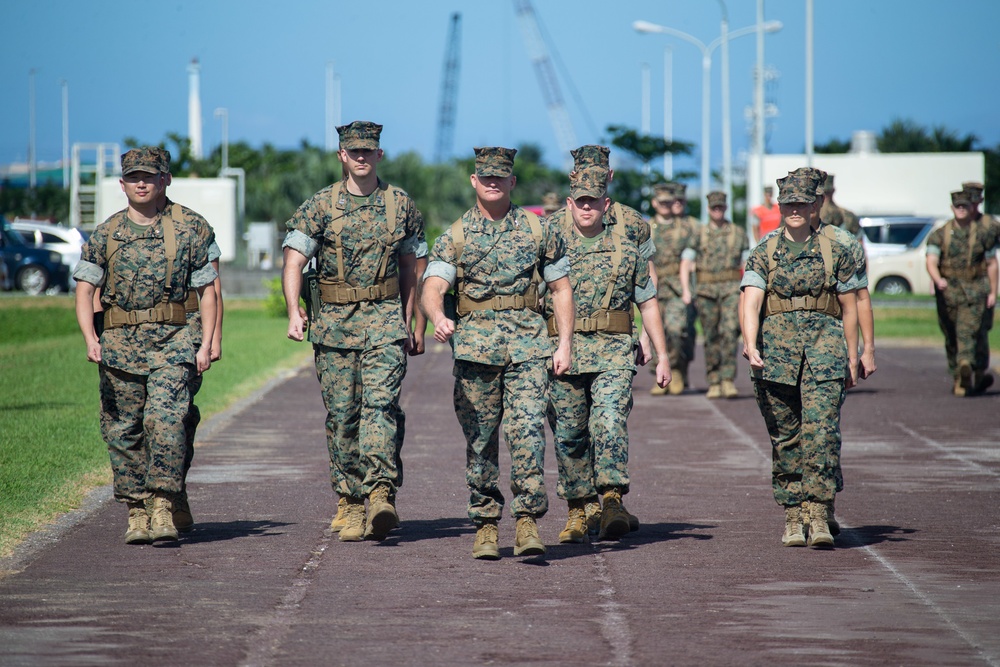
(449, 92)
(546, 74)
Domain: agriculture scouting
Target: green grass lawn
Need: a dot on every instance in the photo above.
(51, 452)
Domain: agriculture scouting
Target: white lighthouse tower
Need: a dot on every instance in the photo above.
(194, 109)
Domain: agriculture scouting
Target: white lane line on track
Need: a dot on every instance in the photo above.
(948, 454)
(926, 599)
(264, 645)
(614, 624)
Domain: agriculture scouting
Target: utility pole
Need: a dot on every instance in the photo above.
(449, 91)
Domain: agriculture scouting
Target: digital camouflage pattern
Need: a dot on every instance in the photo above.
(789, 341)
(359, 135)
(588, 413)
(716, 199)
(798, 186)
(803, 423)
(358, 346)
(853, 245)
(591, 155)
(515, 393)
(499, 259)
(671, 236)
(495, 161)
(365, 239)
(140, 269)
(633, 226)
(588, 182)
(590, 274)
(719, 249)
(590, 404)
(361, 390)
(834, 215)
(145, 159)
(963, 316)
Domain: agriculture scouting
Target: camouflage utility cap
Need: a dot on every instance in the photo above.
(551, 202)
(495, 161)
(140, 159)
(361, 135)
(588, 182)
(828, 183)
(975, 191)
(163, 155)
(716, 199)
(679, 189)
(663, 192)
(818, 175)
(591, 155)
(961, 198)
(797, 187)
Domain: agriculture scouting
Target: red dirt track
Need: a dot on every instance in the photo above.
(914, 580)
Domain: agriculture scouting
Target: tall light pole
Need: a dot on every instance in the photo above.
(668, 110)
(32, 157)
(645, 125)
(809, 83)
(756, 185)
(706, 67)
(223, 113)
(65, 131)
(727, 133)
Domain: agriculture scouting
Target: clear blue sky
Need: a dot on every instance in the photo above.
(265, 61)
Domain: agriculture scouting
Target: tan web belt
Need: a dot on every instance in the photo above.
(165, 312)
(709, 277)
(608, 321)
(669, 269)
(343, 293)
(971, 273)
(191, 303)
(527, 301)
(827, 303)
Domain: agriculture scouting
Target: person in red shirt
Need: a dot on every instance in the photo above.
(767, 216)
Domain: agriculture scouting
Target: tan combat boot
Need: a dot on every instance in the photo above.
(183, 520)
(485, 547)
(340, 520)
(161, 519)
(614, 519)
(633, 520)
(676, 385)
(729, 389)
(714, 391)
(794, 535)
(138, 524)
(592, 508)
(657, 390)
(354, 522)
(958, 390)
(526, 539)
(381, 514)
(819, 530)
(982, 382)
(964, 378)
(576, 524)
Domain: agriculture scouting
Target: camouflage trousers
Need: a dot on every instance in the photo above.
(588, 414)
(361, 390)
(678, 325)
(516, 395)
(142, 422)
(803, 422)
(720, 326)
(966, 325)
(191, 421)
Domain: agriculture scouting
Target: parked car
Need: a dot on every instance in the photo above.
(31, 269)
(67, 241)
(903, 272)
(894, 233)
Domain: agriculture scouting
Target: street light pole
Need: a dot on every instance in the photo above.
(727, 133)
(223, 113)
(706, 63)
(65, 131)
(32, 158)
(809, 83)
(668, 111)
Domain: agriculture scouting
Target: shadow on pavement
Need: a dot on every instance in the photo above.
(866, 536)
(230, 530)
(429, 529)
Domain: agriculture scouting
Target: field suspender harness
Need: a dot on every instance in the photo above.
(972, 271)
(529, 299)
(166, 311)
(338, 291)
(709, 277)
(825, 303)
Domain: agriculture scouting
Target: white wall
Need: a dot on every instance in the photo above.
(213, 198)
(888, 183)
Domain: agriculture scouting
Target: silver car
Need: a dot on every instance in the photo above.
(66, 241)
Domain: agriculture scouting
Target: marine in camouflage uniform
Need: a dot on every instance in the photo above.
(803, 284)
(835, 215)
(590, 404)
(493, 257)
(146, 350)
(720, 249)
(673, 235)
(962, 263)
(362, 331)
